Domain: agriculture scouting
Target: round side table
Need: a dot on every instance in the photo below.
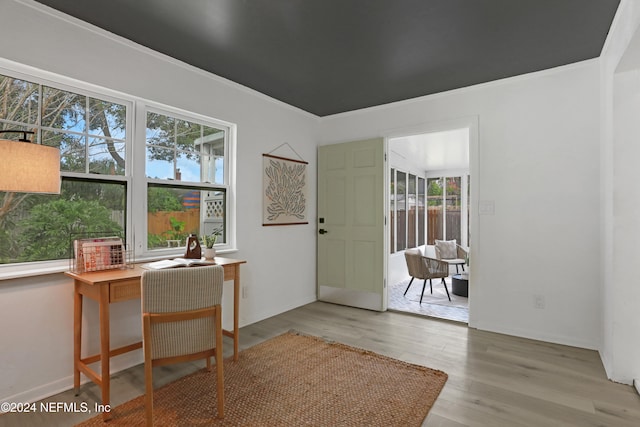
(459, 286)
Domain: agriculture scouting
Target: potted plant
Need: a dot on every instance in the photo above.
(208, 242)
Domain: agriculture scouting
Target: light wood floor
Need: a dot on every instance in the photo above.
(494, 380)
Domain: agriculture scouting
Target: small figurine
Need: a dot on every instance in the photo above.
(194, 251)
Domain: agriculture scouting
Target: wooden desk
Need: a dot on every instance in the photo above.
(111, 286)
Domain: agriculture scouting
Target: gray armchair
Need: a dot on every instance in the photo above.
(424, 268)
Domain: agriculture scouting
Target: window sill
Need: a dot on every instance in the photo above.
(19, 271)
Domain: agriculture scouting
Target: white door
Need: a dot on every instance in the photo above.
(351, 224)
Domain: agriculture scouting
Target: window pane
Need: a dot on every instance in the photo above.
(411, 212)
(106, 157)
(468, 210)
(454, 202)
(72, 149)
(401, 210)
(160, 163)
(188, 164)
(420, 209)
(160, 130)
(18, 102)
(63, 110)
(392, 211)
(107, 119)
(435, 221)
(195, 151)
(41, 227)
(186, 135)
(175, 212)
(213, 143)
(214, 215)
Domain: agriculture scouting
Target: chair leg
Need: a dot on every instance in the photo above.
(148, 397)
(431, 285)
(462, 265)
(424, 284)
(410, 281)
(219, 362)
(445, 288)
(148, 371)
(457, 272)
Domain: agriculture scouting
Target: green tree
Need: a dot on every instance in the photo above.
(47, 232)
(434, 193)
(163, 199)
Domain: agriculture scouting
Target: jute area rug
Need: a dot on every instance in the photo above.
(295, 380)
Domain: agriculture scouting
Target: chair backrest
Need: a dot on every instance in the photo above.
(415, 264)
(179, 290)
(446, 249)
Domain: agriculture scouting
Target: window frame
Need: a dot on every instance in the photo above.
(395, 231)
(465, 194)
(140, 177)
(134, 174)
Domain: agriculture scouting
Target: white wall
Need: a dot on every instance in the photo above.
(621, 196)
(36, 313)
(539, 163)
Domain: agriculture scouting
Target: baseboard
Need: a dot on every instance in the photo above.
(58, 386)
(535, 335)
(636, 384)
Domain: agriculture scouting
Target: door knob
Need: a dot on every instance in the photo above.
(322, 231)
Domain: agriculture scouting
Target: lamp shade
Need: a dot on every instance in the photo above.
(29, 168)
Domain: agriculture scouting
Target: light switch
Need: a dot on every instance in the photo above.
(487, 207)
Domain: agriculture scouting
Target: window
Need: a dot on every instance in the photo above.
(185, 171)
(435, 217)
(401, 211)
(181, 172)
(407, 197)
(448, 209)
(91, 135)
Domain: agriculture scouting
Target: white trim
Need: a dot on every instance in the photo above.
(43, 391)
(471, 123)
(503, 328)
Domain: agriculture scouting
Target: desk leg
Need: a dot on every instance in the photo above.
(236, 312)
(104, 349)
(77, 335)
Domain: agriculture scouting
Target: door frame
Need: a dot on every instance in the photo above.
(471, 123)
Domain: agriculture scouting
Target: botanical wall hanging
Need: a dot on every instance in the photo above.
(285, 190)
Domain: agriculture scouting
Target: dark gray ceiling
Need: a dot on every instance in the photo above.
(332, 56)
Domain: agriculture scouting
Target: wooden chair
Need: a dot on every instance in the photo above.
(182, 321)
(422, 267)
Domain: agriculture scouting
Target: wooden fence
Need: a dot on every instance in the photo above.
(160, 222)
(433, 230)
